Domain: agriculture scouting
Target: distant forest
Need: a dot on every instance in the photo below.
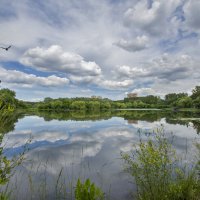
(173, 100)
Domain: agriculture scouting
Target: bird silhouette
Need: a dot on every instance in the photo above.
(5, 48)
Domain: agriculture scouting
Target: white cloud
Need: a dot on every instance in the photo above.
(55, 59)
(101, 82)
(82, 79)
(153, 19)
(86, 91)
(23, 79)
(131, 71)
(192, 14)
(147, 28)
(116, 84)
(20, 138)
(138, 44)
(172, 68)
(166, 67)
(144, 91)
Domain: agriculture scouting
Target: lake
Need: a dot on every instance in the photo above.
(71, 145)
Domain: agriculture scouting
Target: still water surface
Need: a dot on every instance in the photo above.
(68, 146)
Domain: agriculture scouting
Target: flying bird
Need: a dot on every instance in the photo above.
(5, 48)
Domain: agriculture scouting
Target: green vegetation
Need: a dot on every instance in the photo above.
(172, 100)
(157, 171)
(159, 174)
(6, 165)
(7, 100)
(87, 191)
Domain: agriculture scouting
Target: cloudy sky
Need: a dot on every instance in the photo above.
(71, 48)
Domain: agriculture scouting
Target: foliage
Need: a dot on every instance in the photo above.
(7, 99)
(157, 172)
(6, 165)
(105, 105)
(174, 97)
(196, 102)
(78, 105)
(88, 191)
(3, 196)
(184, 102)
(180, 100)
(118, 105)
(195, 92)
(93, 105)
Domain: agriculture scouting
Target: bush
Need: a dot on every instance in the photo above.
(87, 191)
(157, 172)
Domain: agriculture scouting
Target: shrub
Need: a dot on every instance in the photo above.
(158, 173)
(87, 191)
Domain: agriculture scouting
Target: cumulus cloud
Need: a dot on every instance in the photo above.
(138, 44)
(165, 67)
(102, 82)
(151, 19)
(172, 68)
(146, 28)
(55, 59)
(116, 84)
(131, 71)
(23, 79)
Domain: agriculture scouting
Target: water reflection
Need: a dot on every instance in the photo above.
(87, 145)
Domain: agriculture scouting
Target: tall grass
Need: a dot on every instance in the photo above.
(158, 172)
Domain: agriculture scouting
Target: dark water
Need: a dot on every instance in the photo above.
(68, 146)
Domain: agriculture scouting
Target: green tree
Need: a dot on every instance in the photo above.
(47, 99)
(141, 104)
(118, 105)
(196, 102)
(78, 105)
(56, 104)
(150, 99)
(185, 102)
(195, 92)
(174, 97)
(7, 99)
(93, 105)
(105, 105)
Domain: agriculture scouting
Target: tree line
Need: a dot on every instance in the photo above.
(173, 100)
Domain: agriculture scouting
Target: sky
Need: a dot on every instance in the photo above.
(108, 48)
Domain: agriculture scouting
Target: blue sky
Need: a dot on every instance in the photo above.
(71, 48)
